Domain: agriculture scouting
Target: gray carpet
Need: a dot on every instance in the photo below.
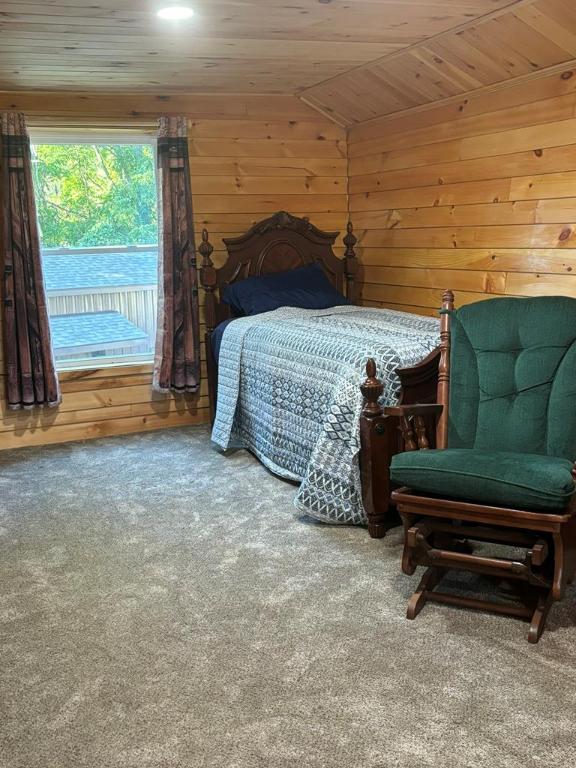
(161, 606)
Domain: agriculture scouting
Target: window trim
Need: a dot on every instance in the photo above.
(100, 136)
(128, 361)
(41, 135)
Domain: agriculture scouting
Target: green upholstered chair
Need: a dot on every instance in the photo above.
(503, 468)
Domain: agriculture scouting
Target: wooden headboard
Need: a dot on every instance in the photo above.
(277, 244)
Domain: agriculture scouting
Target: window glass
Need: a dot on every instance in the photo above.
(97, 214)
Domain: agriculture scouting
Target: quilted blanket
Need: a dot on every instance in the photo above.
(288, 391)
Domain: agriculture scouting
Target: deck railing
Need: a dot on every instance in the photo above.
(112, 278)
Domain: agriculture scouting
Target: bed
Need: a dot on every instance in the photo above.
(289, 384)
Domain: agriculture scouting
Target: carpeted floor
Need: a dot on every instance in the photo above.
(161, 606)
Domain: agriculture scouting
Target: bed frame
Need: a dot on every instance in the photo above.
(283, 242)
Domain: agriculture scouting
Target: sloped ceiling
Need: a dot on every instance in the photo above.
(353, 60)
(529, 37)
(229, 46)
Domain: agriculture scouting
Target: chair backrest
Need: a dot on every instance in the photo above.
(513, 376)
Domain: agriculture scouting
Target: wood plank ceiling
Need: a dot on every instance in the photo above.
(249, 46)
(352, 60)
(528, 38)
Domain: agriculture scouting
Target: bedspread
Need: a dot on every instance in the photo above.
(289, 391)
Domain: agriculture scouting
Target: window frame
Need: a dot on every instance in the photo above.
(59, 136)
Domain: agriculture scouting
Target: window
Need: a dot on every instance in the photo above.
(97, 214)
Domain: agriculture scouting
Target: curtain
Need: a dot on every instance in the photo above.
(177, 358)
(30, 371)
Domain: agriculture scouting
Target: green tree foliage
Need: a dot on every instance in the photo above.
(90, 195)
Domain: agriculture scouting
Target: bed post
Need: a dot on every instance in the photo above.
(444, 367)
(208, 282)
(377, 438)
(380, 437)
(350, 264)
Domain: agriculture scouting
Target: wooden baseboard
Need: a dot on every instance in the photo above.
(45, 435)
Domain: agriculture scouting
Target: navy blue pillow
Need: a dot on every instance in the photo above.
(306, 287)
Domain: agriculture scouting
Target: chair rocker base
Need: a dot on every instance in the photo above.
(535, 609)
(440, 534)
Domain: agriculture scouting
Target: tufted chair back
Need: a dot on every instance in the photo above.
(513, 376)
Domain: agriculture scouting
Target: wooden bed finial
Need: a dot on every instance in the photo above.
(351, 263)
(372, 390)
(208, 281)
(206, 243)
(444, 367)
(448, 300)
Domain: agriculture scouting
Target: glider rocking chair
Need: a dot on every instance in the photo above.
(500, 470)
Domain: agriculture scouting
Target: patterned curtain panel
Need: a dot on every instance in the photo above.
(177, 359)
(31, 376)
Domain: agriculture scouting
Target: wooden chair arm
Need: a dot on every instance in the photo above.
(416, 409)
(413, 424)
(572, 503)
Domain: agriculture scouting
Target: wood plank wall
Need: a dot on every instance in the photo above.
(475, 194)
(250, 156)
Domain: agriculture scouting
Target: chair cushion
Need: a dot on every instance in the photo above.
(518, 480)
(512, 376)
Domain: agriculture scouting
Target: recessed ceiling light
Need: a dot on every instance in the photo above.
(176, 12)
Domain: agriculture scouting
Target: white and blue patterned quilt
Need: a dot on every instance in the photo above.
(289, 392)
